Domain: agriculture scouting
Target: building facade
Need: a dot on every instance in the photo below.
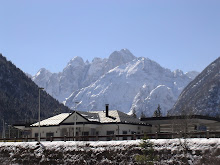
(184, 124)
(95, 123)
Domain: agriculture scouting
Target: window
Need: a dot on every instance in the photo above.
(64, 132)
(36, 136)
(132, 132)
(125, 133)
(110, 133)
(195, 127)
(48, 135)
(86, 134)
(93, 131)
(202, 128)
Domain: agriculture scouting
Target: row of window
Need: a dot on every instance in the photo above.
(49, 134)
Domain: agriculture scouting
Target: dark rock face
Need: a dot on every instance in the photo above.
(202, 95)
(19, 96)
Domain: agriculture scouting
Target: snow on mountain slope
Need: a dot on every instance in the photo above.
(192, 74)
(147, 101)
(42, 77)
(61, 85)
(141, 84)
(79, 74)
(122, 80)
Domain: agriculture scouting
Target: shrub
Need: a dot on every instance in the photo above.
(149, 155)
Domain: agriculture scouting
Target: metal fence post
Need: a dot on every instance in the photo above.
(156, 135)
(180, 136)
(207, 134)
(134, 136)
(114, 137)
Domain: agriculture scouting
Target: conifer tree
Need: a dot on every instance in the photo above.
(148, 155)
(157, 112)
(142, 115)
(134, 113)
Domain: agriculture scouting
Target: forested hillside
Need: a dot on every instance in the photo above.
(19, 96)
(202, 95)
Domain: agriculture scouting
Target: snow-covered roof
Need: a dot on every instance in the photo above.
(55, 120)
(90, 116)
(114, 116)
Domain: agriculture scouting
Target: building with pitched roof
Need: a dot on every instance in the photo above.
(94, 123)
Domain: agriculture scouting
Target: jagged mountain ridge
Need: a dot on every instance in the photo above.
(122, 76)
(202, 95)
(79, 74)
(121, 85)
(19, 96)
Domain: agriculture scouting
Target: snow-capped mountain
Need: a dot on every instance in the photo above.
(122, 80)
(147, 100)
(134, 85)
(79, 74)
(202, 95)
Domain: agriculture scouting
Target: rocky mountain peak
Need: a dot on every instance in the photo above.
(97, 60)
(42, 76)
(42, 72)
(141, 84)
(178, 72)
(121, 57)
(192, 74)
(122, 80)
(75, 62)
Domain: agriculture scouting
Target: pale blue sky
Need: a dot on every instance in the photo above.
(48, 33)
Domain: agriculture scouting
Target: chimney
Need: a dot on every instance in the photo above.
(106, 110)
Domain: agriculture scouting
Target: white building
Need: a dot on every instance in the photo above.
(94, 123)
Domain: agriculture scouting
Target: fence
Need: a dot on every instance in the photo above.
(206, 134)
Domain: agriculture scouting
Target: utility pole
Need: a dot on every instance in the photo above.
(3, 128)
(39, 116)
(76, 103)
(9, 131)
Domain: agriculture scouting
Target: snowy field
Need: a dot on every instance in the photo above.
(170, 151)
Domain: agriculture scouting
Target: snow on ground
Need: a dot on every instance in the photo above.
(198, 143)
(170, 151)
